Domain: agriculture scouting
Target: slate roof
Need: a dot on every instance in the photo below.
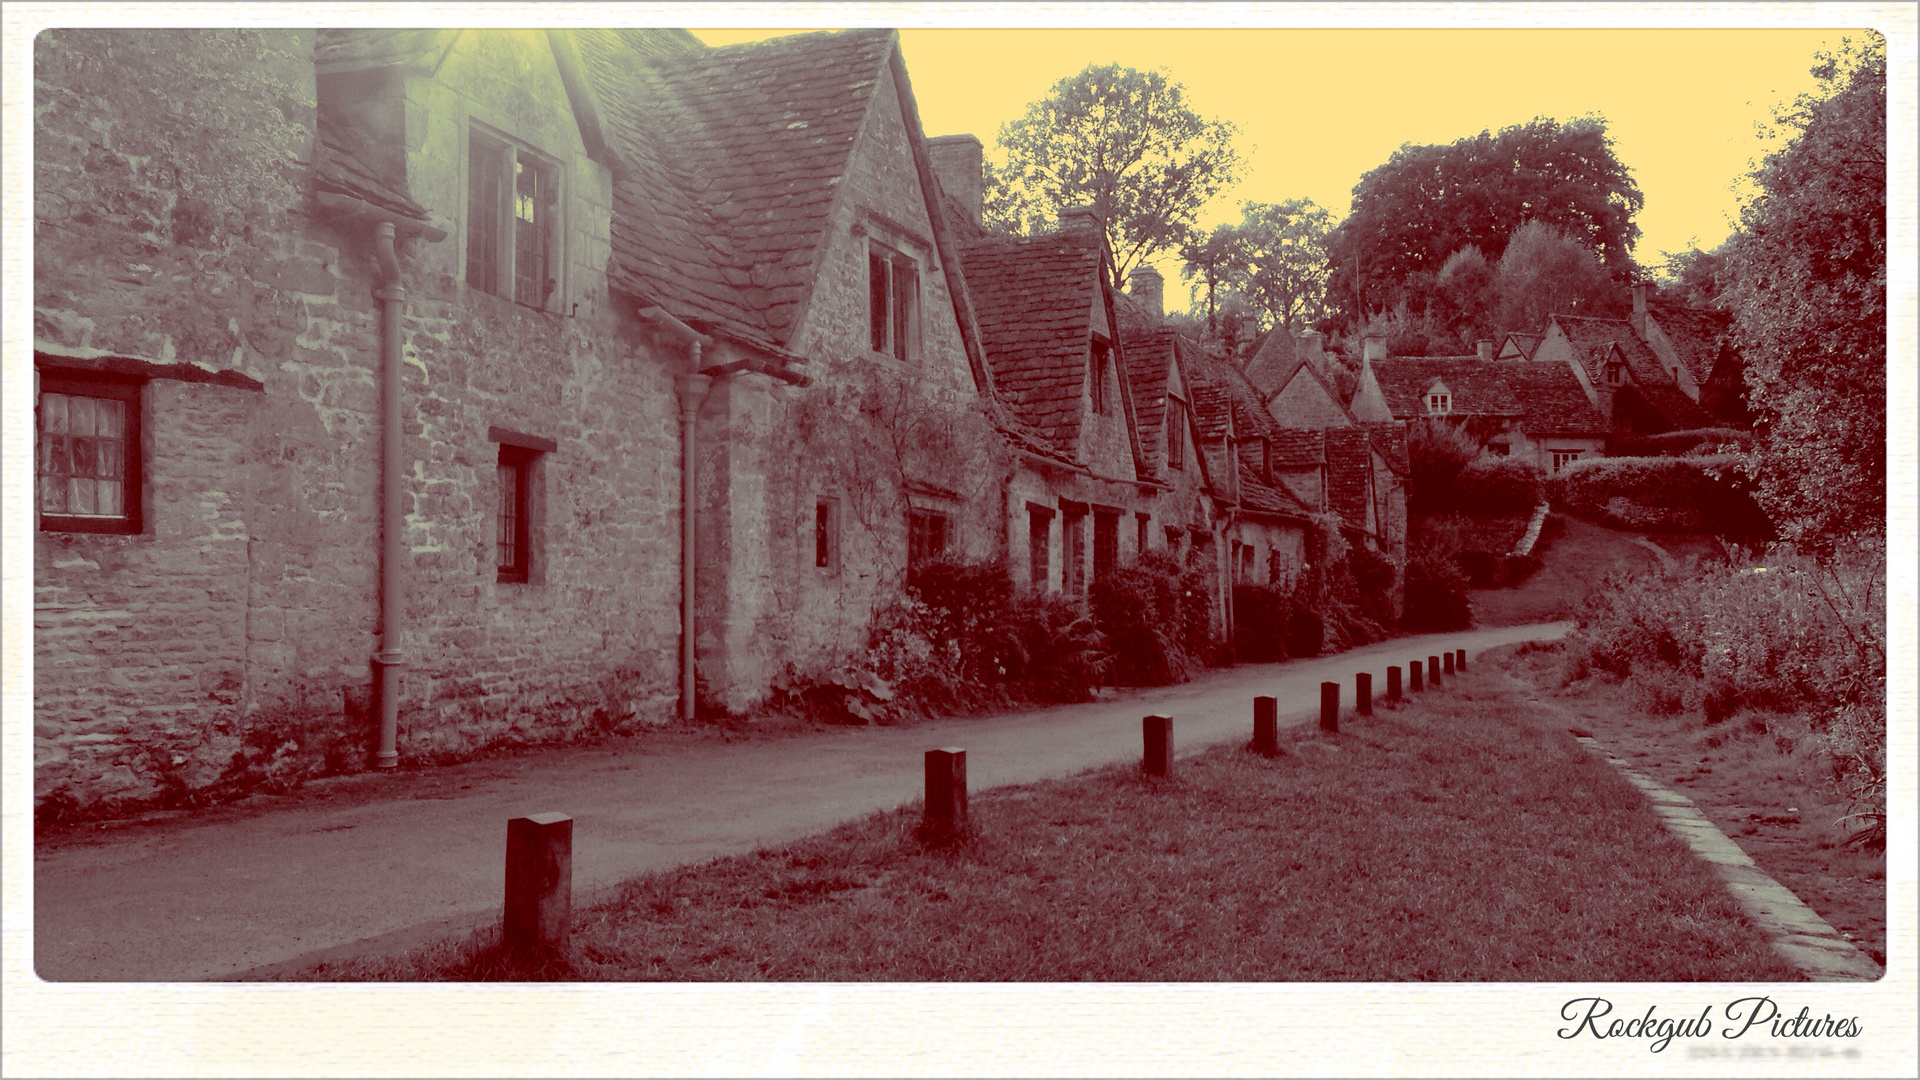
(1697, 335)
(1298, 448)
(1149, 355)
(1553, 399)
(1526, 343)
(1476, 385)
(735, 155)
(1592, 337)
(347, 163)
(1389, 440)
(1033, 298)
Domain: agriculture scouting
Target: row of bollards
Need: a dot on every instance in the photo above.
(536, 922)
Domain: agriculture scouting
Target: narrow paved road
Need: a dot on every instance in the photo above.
(212, 898)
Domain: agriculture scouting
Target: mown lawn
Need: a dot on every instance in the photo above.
(1452, 839)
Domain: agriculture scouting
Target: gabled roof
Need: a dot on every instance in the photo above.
(1274, 361)
(1591, 338)
(1476, 385)
(1298, 448)
(354, 49)
(1389, 440)
(1033, 299)
(736, 155)
(1523, 343)
(1659, 393)
(1148, 351)
(1698, 334)
(1553, 399)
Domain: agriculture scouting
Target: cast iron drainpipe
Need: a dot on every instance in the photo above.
(692, 386)
(393, 305)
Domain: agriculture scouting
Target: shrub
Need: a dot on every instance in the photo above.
(1156, 619)
(1436, 594)
(1498, 486)
(1306, 630)
(1437, 450)
(1704, 494)
(1259, 623)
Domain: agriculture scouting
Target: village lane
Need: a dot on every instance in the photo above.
(231, 893)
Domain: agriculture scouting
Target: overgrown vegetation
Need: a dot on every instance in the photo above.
(1156, 617)
(1455, 841)
(1696, 494)
(1794, 645)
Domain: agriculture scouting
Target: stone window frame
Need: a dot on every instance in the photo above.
(1439, 402)
(510, 154)
(524, 457)
(131, 392)
(826, 535)
(1040, 546)
(929, 534)
(891, 331)
(1076, 543)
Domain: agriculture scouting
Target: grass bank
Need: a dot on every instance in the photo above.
(1453, 839)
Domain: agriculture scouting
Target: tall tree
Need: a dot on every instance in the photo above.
(1807, 281)
(1287, 259)
(1124, 142)
(1546, 272)
(1427, 202)
(1214, 261)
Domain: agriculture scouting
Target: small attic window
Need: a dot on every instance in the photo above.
(513, 210)
(1616, 373)
(1439, 403)
(893, 283)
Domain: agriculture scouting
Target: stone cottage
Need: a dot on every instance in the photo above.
(403, 393)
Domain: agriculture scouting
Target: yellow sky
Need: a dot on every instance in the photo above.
(1316, 108)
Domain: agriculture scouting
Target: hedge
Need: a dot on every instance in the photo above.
(1663, 494)
(1498, 486)
(1678, 443)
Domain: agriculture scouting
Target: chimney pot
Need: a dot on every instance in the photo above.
(959, 163)
(1148, 289)
(1639, 316)
(1484, 348)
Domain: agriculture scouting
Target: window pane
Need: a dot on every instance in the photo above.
(509, 502)
(533, 200)
(483, 213)
(877, 293)
(107, 494)
(53, 456)
(111, 415)
(53, 413)
(80, 415)
(53, 494)
(107, 461)
(906, 291)
(80, 495)
(84, 456)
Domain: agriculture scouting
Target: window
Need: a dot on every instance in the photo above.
(1562, 457)
(826, 535)
(1176, 432)
(1097, 376)
(1106, 543)
(89, 462)
(926, 537)
(1246, 564)
(1616, 374)
(1439, 404)
(513, 200)
(1140, 543)
(1073, 537)
(512, 540)
(1039, 536)
(893, 282)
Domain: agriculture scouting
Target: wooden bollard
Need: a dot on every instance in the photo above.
(1460, 661)
(1158, 736)
(1363, 693)
(1413, 677)
(947, 788)
(1329, 706)
(1433, 671)
(1446, 662)
(539, 911)
(1266, 726)
(1393, 683)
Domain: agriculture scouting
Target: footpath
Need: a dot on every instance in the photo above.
(254, 894)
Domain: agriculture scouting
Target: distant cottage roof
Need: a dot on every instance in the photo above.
(1475, 386)
(1698, 335)
(1554, 401)
(1033, 298)
(1524, 344)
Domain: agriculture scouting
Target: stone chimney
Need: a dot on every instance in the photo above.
(1639, 316)
(1484, 349)
(1313, 349)
(1148, 289)
(960, 165)
(1079, 218)
(1373, 347)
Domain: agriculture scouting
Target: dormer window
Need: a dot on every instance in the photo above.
(1616, 374)
(1439, 403)
(513, 204)
(893, 284)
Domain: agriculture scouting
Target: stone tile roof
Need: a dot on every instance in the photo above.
(1476, 385)
(1033, 298)
(1389, 440)
(1273, 363)
(1698, 334)
(1349, 472)
(1592, 337)
(735, 156)
(347, 162)
(1298, 448)
(1553, 399)
(1526, 343)
(1149, 356)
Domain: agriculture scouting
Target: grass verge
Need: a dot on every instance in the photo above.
(1451, 839)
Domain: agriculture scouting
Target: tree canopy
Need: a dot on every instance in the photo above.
(1806, 278)
(1124, 142)
(1425, 203)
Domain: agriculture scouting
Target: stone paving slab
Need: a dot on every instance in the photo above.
(1799, 934)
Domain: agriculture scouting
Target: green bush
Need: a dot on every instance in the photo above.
(1156, 619)
(1437, 450)
(1663, 494)
(1259, 624)
(1495, 486)
(1436, 594)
